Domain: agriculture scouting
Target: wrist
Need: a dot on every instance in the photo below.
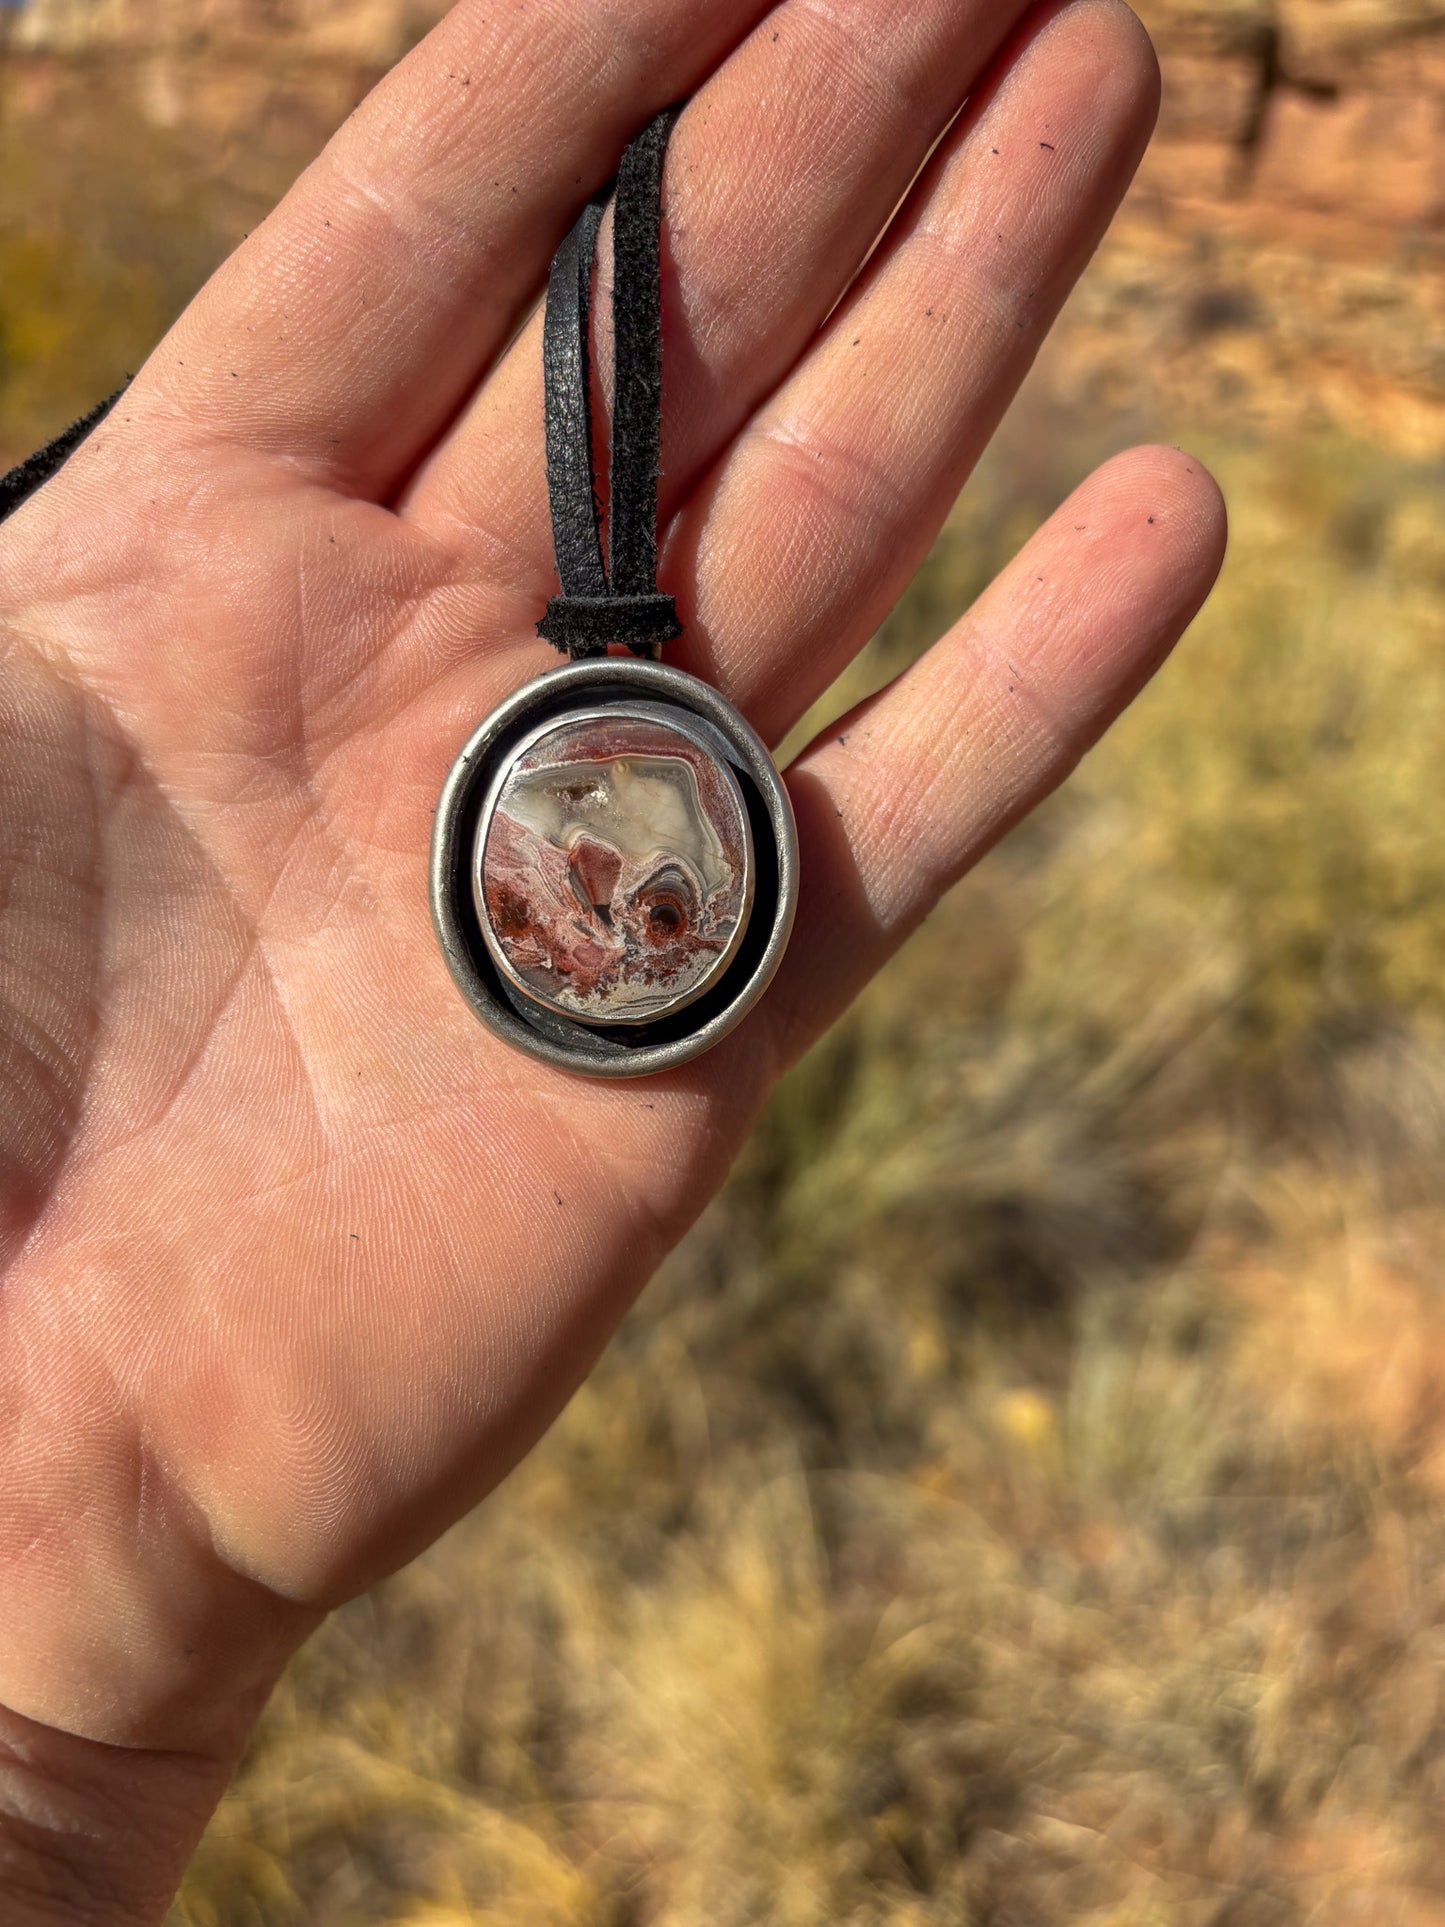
(94, 1833)
(136, 1675)
(123, 1624)
(134, 1661)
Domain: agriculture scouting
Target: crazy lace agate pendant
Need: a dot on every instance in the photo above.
(614, 873)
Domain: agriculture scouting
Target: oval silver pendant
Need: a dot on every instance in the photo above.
(614, 868)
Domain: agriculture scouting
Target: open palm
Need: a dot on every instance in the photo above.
(299, 1258)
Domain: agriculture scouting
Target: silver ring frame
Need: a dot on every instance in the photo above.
(562, 1042)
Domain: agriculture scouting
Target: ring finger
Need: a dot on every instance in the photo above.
(799, 543)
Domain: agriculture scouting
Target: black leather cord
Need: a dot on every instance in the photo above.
(617, 602)
(23, 480)
(567, 364)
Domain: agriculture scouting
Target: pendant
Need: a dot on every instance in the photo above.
(614, 868)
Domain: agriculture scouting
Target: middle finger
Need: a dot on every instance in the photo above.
(780, 176)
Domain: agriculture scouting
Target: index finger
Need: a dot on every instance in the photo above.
(350, 327)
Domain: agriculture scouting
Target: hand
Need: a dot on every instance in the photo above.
(299, 1260)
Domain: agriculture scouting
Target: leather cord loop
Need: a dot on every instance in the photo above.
(615, 602)
(567, 362)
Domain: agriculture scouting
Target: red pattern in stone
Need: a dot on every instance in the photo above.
(616, 875)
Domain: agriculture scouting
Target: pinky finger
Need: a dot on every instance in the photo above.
(898, 801)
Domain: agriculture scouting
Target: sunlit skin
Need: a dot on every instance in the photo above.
(298, 1260)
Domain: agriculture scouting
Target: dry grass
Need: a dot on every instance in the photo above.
(95, 258)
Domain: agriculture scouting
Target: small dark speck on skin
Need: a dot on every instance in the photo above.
(859, 342)
(356, 1237)
(234, 375)
(332, 540)
(1010, 689)
(842, 742)
(995, 150)
(558, 1196)
(1151, 521)
(1049, 145)
(928, 311)
(839, 815)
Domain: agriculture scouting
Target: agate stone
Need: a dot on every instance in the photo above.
(614, 865)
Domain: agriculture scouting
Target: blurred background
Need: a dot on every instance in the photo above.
(1023, 1499)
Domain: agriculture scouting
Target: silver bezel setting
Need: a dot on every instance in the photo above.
(697, 1024)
